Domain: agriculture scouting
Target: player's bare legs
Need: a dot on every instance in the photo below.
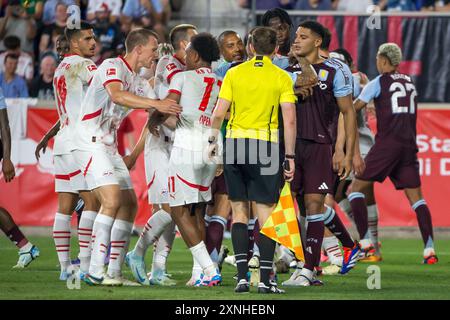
(61, 229)
(86, 223)
(424, 220)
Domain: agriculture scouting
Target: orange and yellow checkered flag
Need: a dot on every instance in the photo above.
(282, 224)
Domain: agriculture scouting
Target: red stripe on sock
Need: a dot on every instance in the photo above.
(63, 245)
(101, 244)
(118, 241)
(61, 237)
(61, 232)
(82, 246)
(81, 241)
(82, 229)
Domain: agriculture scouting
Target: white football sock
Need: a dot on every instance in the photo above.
(347, 208)
(331, 246)
(372, 215)
(84, 239)
(162, 248)
(153, 229)
(61, 236)
(196, 269)
(200, 253)
(120, 238)
(100, 236)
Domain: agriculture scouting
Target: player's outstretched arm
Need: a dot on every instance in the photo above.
(346, 107)
(130, 100)
(290, 134)
(42, 145)
(7, 166)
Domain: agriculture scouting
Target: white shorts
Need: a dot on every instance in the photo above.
(101, 169)
(190, 177)
(157, 174)
(68, 177)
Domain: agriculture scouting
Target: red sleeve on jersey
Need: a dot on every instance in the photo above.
(175, 91)
(170, 76)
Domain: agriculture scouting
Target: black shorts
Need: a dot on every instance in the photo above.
(252, 170)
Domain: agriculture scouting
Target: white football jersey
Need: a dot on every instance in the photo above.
(100, 117)
(198, 90)
(168, 66)
(166, 69)
(70, 82)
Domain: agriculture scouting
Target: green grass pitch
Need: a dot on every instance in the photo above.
(402, 277)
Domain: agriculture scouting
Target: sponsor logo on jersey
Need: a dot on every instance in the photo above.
(92, 67)
(171, 66)
(111, 72)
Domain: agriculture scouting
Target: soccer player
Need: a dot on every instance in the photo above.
(233, 51)
(27, 251)
(364, 143)
(107, 101)
(71, 79)
(190, 174)
(157, 154)
(279, 20)
(394, 153)
(254, 90)
(231, 47)
(315, 136)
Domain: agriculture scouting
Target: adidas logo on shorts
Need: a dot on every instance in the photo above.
(323, 186)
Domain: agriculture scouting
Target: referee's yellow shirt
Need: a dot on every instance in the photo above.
(256, 89)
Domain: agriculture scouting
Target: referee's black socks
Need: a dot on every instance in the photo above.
(239, 237)
(266, 250)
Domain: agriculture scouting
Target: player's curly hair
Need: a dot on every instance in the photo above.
(276, 13)
(206, 46)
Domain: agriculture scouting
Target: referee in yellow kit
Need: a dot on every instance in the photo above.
(255, 90)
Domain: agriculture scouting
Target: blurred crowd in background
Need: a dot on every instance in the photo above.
(29, 29)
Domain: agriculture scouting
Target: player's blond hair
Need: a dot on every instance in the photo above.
(392, 52)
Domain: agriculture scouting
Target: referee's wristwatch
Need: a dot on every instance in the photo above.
(289, 156)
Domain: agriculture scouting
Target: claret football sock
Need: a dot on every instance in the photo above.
(214, 236)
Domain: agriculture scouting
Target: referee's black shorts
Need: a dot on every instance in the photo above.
(253, 171)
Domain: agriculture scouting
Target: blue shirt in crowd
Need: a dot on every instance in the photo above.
(17, 88)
